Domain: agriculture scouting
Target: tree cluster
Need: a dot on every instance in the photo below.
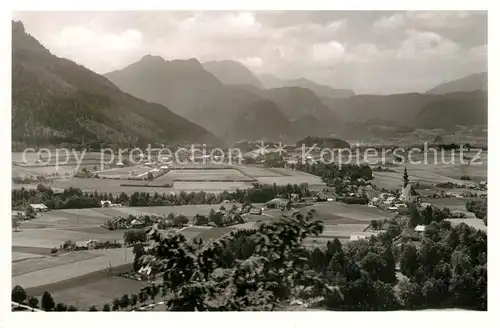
(47, 302)
(266, 268)
(447, 269)
(72, 198)
(329, 172)
(220, 218)
(478, 207)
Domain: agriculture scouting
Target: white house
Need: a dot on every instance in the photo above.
(120, 222)
(256, 211)
(420, 228)
(136, 223)
(39, 207)
(105, 203)
(89, 244)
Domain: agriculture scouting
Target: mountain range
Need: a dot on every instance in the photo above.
(473, 82)
(230, 111)
(55, 100)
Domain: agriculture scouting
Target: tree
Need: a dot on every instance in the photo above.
(33, 302)
(374, 224)
(409, 262)
(72, 308)
(16, 223)
(124, 301)
(415, 217)
(257, 282)
(18, 294)
(116, 304)
(138, 253)
(30, 213)
(435, 292)
(93, 308)
(180, 221)
(143, 297)
(133, 300)
(60, 307)
(211, 215)
(47, 302)
(411, 295)
(106, 308)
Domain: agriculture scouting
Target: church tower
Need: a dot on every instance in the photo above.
(405, 178)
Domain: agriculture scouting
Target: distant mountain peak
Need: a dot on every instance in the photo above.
(57, 100)
(18, 26)
(271, 82)
(153, 58)
(472, 82)
(232, 72)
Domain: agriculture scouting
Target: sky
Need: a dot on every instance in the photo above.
(369, 52)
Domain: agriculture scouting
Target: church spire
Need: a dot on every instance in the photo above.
(405, 178)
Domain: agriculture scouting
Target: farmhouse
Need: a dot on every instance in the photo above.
(19, 214)
(89, 244)
(256, 211)
(39, 207)
(277, 202)
(121, 223)
(420, 228)
(136, 223)
(105, 203)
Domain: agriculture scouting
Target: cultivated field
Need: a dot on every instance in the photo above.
(97, 292)
(207, 175)
(433, 173)
(30, 265)
(101, 260)
(125, 172)
(343, 221)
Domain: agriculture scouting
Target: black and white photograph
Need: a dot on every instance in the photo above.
(248, 160)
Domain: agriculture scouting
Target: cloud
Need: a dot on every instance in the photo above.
(329, 52)
(427, 44)
(390, 23)
(368, 51)
(252, 62)
(425, 20)
(479, 53)
(222, 25)
(438, 19)
(81, 43)
(365, 53)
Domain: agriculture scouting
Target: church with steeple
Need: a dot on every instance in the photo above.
(408, 192)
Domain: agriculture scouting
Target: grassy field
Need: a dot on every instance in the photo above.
(102, 261)
(23, 171)
(340, 213)
(30, 265)
(97, 292)
(224, 178)
(207, 175)
(257, 172)
(125, 172)
(20, 256)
